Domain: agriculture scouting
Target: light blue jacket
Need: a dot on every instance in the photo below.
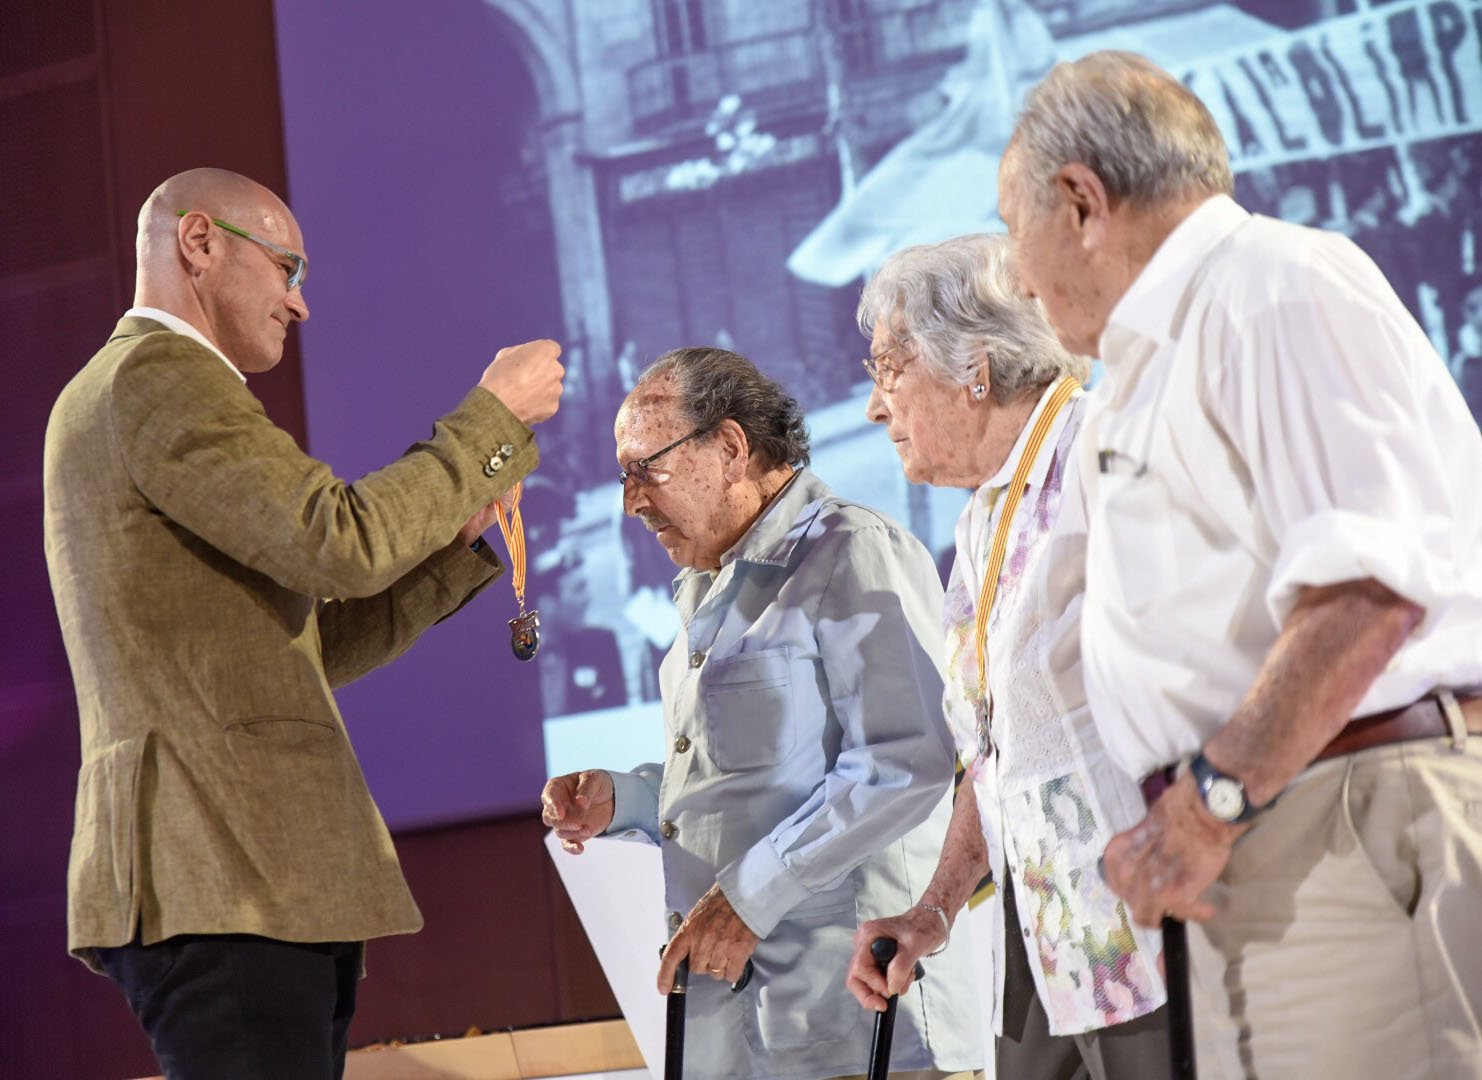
(808, 773)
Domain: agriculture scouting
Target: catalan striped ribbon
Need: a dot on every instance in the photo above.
(512, 526)
(1064, 390)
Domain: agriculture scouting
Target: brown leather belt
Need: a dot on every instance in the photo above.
(1422, 720)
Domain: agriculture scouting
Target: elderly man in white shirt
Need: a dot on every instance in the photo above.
(1284, 591)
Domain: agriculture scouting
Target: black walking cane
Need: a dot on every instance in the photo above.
(1175, 957)
(674, 1016)
(883, 950)
(1180, 1005)
(674, 1023)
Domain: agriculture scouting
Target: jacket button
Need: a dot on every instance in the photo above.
(493, 465)
(676, 920)
(696, 658)
(681, 744)
(507, 449)
(667, 829)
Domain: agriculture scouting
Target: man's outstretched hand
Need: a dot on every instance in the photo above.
(527, 378)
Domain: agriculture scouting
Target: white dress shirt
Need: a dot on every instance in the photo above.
(1272, 418)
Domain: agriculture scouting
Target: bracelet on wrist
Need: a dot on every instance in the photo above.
(946, 927)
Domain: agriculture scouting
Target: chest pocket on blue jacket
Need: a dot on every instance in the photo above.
(749, 709)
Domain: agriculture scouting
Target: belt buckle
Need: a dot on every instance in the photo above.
(1456, 721)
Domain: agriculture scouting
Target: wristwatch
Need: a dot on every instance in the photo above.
(1224, 796)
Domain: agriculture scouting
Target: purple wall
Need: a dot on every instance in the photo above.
(399, 121)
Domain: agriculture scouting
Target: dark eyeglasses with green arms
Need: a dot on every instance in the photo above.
(300, 264)
(638, 470)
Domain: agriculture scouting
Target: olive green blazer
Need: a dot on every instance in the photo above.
(214, 584)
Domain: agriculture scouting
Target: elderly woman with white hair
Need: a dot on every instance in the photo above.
(975, 392)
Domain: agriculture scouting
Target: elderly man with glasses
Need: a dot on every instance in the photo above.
(228, 862)
(806, 784)
(1282, 623)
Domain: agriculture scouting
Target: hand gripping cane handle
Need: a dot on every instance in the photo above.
(883, 949)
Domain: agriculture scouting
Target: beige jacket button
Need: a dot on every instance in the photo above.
(696, 658)
(667, 829)
(507, 449)
(681, 744)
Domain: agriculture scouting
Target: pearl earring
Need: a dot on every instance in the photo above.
(979, 391)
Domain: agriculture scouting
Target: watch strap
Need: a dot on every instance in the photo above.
(1206, 775)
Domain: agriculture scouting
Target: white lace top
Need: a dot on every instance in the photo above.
(1045, 819)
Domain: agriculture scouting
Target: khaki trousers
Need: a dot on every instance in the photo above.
(1348, 941)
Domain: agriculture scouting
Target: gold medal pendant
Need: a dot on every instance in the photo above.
(524, 628)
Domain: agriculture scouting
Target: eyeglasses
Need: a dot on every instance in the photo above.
(300, 267)
(885, 376)
(638, 470)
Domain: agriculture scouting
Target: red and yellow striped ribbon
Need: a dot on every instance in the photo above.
(513, 529)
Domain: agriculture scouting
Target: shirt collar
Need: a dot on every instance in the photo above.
(773, 536)
(1152, 303)
(178, 325)
(1041, 467)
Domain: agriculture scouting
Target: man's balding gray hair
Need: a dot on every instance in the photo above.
(951, 302)
(713, 385)
(1145, 134)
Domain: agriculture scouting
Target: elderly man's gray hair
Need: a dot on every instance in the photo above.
(716, 384)
(953, 301)
(1145, 134)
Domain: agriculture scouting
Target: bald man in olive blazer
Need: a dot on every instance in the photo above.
(214, 585)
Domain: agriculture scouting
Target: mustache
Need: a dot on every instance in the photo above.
(652, 522)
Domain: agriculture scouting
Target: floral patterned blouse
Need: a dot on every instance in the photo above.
(1048, 796)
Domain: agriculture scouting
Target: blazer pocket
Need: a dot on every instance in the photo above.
(749, 709)
(285, 731)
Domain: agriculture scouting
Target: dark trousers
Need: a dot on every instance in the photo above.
(1136, 1050)
(238, 1007)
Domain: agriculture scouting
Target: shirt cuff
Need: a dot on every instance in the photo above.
(761, 888)
(1335, 546)
(485, 553)
(635, 813)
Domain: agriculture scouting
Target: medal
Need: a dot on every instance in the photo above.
(524, 628)
(524, 634)
(985, 722)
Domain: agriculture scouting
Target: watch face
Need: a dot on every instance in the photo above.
(1225, 798)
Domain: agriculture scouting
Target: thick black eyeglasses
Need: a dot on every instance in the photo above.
(638, 470)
